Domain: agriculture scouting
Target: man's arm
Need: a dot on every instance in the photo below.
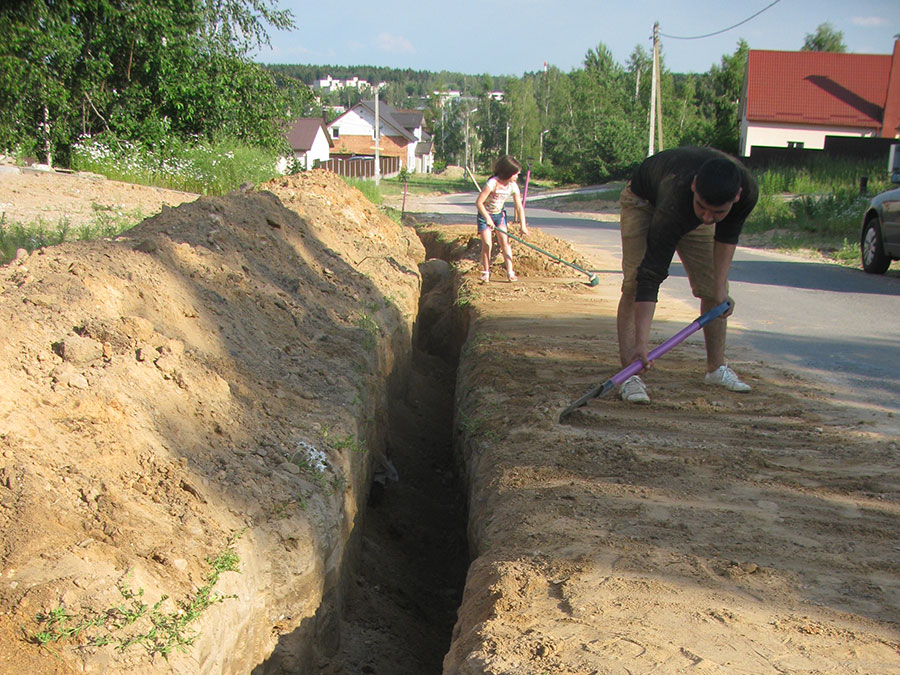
(723, 254)
(643, 318)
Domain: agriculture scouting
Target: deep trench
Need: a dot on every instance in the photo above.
(400, 601)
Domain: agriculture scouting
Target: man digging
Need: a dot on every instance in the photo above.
(694, 201)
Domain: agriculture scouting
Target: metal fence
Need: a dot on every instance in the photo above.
(361, 166)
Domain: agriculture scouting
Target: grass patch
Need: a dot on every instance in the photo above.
(425, 184)
(816, 207)
(160, 629)
(37, 234)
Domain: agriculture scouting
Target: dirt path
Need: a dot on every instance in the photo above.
(753, 533)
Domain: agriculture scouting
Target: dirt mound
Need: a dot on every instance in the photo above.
(452, 171)
(210, 384)
(461, 244)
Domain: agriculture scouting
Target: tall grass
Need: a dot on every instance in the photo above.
(817, 205)
(370, 191)
(204, 168)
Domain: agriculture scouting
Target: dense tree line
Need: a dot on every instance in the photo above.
(592, 123)
(147, 71)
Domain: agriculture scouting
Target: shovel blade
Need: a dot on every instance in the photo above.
(596, 392)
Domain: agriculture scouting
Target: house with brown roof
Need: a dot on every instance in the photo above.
(796, 99)
(402, 135)
(310, 143)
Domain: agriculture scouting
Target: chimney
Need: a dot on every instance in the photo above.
(892, 100)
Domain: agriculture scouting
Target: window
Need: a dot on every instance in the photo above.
(335, 132)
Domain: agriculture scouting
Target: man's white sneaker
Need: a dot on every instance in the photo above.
(726, 377)
(634, 391)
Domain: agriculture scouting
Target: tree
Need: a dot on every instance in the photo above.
(138, 70)
(594, 134)
(719, 96)
(524, 121)
(825, 39)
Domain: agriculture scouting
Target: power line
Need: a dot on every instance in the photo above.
(740, 23)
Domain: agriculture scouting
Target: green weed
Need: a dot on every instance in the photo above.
(214, 167)
(370, 329)
(125, 625)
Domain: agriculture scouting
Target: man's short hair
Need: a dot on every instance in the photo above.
(718, 181)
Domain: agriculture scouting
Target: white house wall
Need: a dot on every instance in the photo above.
(319, 150)
(778, 136)
(352, 124)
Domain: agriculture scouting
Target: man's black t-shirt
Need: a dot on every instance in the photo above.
(664, 180)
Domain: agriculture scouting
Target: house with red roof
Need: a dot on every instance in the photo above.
(310, 143)
(796, 99)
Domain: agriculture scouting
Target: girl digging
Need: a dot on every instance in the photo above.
(492, 216)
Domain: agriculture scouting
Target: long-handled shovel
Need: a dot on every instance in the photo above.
(637, 366)
(593, 279)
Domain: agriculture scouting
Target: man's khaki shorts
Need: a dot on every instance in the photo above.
(695, 249)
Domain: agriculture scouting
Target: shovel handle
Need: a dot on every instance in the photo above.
(698, 323)
(637, 366)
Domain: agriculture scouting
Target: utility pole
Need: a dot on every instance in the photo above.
(659, 115)
(507, 137)
(652, 143)
(377, 139)
(655, 95)
(466, 161)
(468, 112)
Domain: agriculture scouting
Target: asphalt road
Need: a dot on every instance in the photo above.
(839, 325)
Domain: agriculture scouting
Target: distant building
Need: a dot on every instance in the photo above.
(796, 99)
(449, 95)
(402, 135)
(330, 84)
(310, 143)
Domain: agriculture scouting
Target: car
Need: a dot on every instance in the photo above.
(879, 239)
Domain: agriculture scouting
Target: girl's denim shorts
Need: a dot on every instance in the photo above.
(498, 218)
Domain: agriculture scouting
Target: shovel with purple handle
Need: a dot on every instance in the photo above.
(637, 366)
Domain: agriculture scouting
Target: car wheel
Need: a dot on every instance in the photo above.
(874, 261)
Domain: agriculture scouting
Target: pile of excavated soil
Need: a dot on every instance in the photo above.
(220, 371)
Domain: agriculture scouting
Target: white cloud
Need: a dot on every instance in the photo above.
(868, 21)
(395, 44)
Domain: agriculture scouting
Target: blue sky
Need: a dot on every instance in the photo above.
(511, 38)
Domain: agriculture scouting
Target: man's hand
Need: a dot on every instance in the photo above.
(641, 353)
(728, 312)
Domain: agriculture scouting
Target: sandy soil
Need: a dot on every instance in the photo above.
(149, 389)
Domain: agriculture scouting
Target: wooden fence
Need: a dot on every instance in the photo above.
(361, 166)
